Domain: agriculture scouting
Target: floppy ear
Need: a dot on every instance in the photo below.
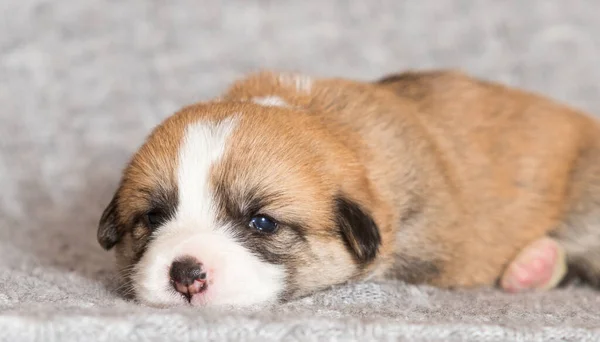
(359, 230)
(108, 228)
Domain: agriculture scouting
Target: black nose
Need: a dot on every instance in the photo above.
(188, 276)
(186, 270)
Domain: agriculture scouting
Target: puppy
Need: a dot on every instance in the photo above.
(287, 185)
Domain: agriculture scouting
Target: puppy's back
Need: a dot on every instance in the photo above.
(513, 157)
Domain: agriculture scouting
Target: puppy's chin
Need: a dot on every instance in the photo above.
(235, 277)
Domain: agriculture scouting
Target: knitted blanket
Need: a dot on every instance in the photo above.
(82, 83)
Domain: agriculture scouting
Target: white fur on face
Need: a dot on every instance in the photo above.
(235, 276)
(270, 101)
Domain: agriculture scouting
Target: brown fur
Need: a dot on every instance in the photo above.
(298, 190)
(471, 171)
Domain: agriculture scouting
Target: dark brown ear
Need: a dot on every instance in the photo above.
(359, 230)
(108, 228)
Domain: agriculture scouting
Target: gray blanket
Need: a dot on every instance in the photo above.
(82, 82)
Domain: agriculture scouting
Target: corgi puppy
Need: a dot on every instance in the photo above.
(288, 184)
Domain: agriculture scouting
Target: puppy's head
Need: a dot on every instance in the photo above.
(240, 204)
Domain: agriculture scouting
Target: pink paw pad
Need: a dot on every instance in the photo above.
(539, 266)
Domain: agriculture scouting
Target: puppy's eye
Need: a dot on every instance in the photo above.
(263, 224)
(155, 218)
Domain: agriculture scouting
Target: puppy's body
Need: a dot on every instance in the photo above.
(427, 177)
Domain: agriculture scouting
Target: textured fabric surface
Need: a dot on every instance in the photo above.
(82, 82)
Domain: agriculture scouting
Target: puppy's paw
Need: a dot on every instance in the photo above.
(539, 266)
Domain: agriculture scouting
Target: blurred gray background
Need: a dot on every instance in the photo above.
(82, 83)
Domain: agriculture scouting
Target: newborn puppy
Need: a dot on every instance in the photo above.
(287, 185)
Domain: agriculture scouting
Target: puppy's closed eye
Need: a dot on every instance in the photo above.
(155, 218)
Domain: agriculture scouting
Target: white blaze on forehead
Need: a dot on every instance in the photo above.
(236, 276)
(270, 101)
(203, 145)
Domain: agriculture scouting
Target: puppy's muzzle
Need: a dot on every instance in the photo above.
(188, 277)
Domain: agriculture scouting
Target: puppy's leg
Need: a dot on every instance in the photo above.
(579, 233)
(539, 266)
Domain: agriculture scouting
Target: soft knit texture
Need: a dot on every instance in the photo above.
(82, 83)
